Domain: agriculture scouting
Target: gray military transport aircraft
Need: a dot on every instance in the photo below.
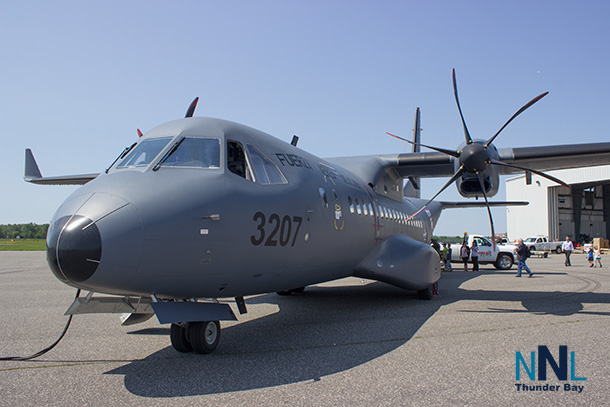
(201, 209)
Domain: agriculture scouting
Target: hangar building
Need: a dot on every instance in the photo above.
(558, 211)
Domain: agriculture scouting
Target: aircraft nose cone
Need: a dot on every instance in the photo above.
(74, 248)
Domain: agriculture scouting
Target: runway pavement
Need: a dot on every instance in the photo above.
(347, 343)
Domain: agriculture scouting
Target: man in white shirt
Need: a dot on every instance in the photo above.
(567, 248)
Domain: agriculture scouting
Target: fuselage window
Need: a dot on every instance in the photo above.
(236, 160)
(358, 208)
(323, 198)
(351, 204)
(371, 209)
(195, 152)
(365, 211)
(144, 153)
(265, 170)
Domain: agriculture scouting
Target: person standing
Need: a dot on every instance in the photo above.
(448, 258)
(465, 254)
(567, 248)
(598, 256)
(444, 257)
(522, 252)
(474, 255)
(590, 256)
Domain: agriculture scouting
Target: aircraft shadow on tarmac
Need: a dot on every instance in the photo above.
(324, 331)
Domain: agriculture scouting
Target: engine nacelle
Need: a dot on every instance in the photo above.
(468, 185)
(474, 158)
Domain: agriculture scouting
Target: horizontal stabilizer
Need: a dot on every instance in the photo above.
(32, 174)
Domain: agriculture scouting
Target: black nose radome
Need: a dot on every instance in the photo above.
(74, 248)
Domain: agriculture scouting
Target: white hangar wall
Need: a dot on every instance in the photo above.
(550, 211)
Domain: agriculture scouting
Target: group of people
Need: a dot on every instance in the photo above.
(444, 253)
(521, 251)
(594, 254)
(472, 253)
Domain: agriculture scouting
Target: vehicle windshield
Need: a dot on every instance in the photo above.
(144, 152)
(530, 240)
(195, 152)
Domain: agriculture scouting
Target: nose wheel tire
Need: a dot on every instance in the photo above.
(204, 336)
(179, 337)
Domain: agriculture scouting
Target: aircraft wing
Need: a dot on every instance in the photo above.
(372, 169)
(548, 158)
(32, 174)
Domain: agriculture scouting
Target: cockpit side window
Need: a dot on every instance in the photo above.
(236, 160)
(195, 152)
(265, 170)
(144, 153)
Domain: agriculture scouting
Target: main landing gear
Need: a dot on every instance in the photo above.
(428, 293)
(202, 337)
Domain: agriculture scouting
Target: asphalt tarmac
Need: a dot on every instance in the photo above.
(347, 343)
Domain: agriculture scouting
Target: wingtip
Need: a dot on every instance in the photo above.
(31, 171)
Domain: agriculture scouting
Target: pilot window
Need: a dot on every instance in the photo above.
(144, 153)
(265, 170)
(236, 160)
(195, 152)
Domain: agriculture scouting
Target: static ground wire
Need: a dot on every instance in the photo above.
(45, 350)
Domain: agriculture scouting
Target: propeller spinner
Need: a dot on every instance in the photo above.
(475, 157)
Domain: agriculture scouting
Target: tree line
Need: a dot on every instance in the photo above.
(24, 231)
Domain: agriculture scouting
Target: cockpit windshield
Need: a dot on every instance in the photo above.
(144, 152)
(194, 152)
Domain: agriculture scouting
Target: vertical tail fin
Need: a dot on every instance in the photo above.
(412, 187)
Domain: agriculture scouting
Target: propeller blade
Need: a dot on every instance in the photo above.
(440, 150)
(542, 174)
(457, 100)
(458, 174)
(491, 220)
(523, 109)
(191, 109)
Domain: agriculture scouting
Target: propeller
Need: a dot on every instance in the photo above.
(476, 156)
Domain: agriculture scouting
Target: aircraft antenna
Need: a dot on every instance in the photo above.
(191, 109)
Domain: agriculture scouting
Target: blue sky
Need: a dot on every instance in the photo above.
(78, 78)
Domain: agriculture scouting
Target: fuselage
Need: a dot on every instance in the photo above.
(208, 208)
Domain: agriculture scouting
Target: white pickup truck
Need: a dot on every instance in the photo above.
(542, 244)
(502, 258)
